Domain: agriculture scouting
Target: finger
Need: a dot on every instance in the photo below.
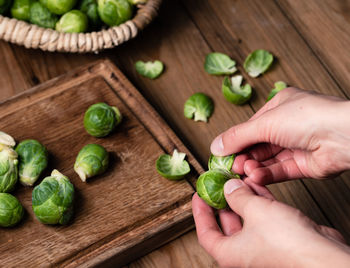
(238, 164)
(251, 165)
(230, 222)
(261, 152)
(277, 172)
(241, 197)
(208, 231)
(259, 189)
(331, 233)
(284, 155)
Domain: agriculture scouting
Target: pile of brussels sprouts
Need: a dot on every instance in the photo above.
(71, 16)
(53, 198)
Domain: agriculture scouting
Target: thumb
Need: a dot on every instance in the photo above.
(240, 137)
(240, 196)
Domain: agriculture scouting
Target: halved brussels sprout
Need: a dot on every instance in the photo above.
(8, 163)
(234, 92)
(280, 85)
(59, 7)
(92, 160)
(173, 167)
(89, 7)
(41, 16)
(5, 6)
(114, 12)
(199, 106)
(33, 158)
(73, 21)
(52, 199)
(11, 210)
(149, 69)
(218, 64)
(20, 9)
(258, 62)
(210, 187)
(101, 119)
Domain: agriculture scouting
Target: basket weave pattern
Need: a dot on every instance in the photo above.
(33, 36)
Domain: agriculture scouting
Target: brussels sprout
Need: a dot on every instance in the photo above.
(89, 7)
(11, 210)
(4, 6)
(210, 187)
(234, 92)
(59, 7)
(218, 63)
(41, 16)
(73, 21)
(8, 163)
(114, 12)
(33, 158)
(52, 199)
(149, 69)
(173, 167)
(280, 85)
(258, 62)
(222, 162)
(100, 119)
(92, 160)
(199, 106)
(20, 9)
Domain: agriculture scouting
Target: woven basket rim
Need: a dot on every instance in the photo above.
(32, 36)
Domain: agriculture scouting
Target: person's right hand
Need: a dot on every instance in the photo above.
(296, 134)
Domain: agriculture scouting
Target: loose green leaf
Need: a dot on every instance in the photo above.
(219, 64)
(222, 162)
(173, 167)
(258, 62)
(234, 92)
(199, 107)
(280, 85)
(149, 69)
(210, 187)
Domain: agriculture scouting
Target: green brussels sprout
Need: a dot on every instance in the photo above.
(59, 7)
(41, 16)
(73, 21)
(114, 12)
(52, 199)
(33, 158)
(8, 163)
(199, 107)
(222, 162)
(89, 7)
(20, 9)
(92, 160)
(5, 6)
(280, 85)
(101, 119)
(258, 62)
(149, 69)
(210, 187)
(218, 63)
(234, 92)
(173, 167)
(11, 210)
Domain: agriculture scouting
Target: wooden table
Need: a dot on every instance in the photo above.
(310, 39)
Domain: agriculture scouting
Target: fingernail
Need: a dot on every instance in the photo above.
(217, 146)
(232, 185)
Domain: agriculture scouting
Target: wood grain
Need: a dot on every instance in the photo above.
(115, 212)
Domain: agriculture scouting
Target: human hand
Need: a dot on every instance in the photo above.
(273, 234)
(296, 134)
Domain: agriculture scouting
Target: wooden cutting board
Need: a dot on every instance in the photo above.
(120, 215)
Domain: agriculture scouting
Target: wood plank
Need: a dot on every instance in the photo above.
(139, 206)
(239, 27)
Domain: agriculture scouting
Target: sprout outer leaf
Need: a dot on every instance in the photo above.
(173, 167)
(280, 85)
(234, 92)
(149, 69)
(199, 107)
(217, 63)
(258, 62)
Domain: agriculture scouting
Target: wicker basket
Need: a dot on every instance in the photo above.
(33, 36)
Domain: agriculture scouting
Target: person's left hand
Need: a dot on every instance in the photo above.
(273, 234)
